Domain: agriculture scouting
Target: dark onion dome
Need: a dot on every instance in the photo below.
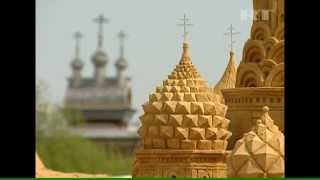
(121, 63)
(77, 64)
(100, 58)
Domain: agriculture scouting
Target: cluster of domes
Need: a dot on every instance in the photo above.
(184, 113)
(260, 153)
(99, 58)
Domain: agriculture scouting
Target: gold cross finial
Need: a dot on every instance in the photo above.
(185, 24)
(231, 33)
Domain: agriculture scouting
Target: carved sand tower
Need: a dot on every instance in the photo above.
(260, 152)
(184, 130)
(260, 75)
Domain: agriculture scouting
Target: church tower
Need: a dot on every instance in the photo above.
(121, 63)
(76, 63)
(105, 106)
(100, 58)
(184, 131)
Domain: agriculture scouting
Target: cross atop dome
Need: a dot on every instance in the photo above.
(185, 24)
(100, 20)
(231, 33)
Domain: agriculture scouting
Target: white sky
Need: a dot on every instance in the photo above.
(153, 47)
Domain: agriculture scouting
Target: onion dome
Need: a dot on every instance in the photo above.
(76, 64)
(100, 58)
(121, 63)
(260, 153)
(183, 114)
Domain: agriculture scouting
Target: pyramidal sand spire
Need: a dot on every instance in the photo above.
(228, 79)
(184, 103)
(182, 119)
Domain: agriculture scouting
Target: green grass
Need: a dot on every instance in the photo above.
(74, 154)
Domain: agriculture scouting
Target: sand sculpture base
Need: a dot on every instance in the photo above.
(244, 108)
(180, 163)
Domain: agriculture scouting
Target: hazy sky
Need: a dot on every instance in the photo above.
(153, 47)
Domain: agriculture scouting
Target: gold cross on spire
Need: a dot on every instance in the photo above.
(231, 33)
(185, 24)
(77, 36)
(100, 20)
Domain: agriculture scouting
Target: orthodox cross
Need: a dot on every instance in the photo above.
(100, 20)
(185, 24)
(121, 37)
(231, 33)
(77, 36)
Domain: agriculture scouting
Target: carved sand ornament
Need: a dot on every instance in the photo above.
(260, 152)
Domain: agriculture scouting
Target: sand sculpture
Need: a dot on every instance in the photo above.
(184, 129)
(260, 152)
(228, 79)
(260, 75)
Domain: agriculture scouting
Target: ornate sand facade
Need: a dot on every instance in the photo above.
(260, 75)
(184, 129)
(260, 152)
